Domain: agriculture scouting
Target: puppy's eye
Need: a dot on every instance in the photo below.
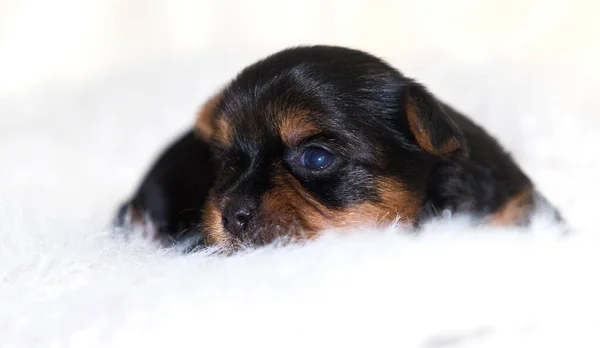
(316, 158)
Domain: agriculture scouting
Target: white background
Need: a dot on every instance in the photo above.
(73, 41)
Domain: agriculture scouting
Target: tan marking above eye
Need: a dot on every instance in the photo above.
(295, 127)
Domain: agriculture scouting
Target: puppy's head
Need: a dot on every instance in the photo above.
(320, 137)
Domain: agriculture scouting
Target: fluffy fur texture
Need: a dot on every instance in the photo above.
(65, 280)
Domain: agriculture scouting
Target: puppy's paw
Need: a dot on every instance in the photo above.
(132, 221)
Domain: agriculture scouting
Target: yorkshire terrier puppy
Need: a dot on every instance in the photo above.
(321, 137)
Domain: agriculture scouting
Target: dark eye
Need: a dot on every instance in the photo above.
(316, 158)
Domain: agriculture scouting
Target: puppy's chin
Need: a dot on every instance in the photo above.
(265, 234)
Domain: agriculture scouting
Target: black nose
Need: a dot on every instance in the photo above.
(237, 215)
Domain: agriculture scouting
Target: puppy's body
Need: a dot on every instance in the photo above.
(168, 204)
(481, 182)
(319, 137)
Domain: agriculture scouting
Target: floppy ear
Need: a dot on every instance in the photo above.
(430, 122)
(204, 126)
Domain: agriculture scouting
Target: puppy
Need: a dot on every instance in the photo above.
(168, 204)
(321, 137)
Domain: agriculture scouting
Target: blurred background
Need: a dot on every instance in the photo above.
(91, 90)
(71, 41)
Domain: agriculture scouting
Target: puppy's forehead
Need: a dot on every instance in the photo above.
(300, 93)
(289, 123)
(272, 125)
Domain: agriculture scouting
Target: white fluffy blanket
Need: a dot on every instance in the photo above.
(69, 154)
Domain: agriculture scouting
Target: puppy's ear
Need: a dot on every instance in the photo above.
(430, 122)
(204, 126)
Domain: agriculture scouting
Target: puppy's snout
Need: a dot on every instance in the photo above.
(237, 215)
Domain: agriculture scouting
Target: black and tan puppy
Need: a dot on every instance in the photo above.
(323, 137)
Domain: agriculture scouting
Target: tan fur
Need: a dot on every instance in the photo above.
(423, 137)
(223, 134)
(289, 210)
(204, 126)
(295, 127)
(215, 234)
(516, 211)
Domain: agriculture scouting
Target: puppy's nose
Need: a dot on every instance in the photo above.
(237, 215)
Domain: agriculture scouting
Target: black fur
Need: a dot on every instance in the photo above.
(173, 192)
(361, 103)
(356, 98)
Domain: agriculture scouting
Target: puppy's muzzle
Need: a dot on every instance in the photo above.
(237, 215)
